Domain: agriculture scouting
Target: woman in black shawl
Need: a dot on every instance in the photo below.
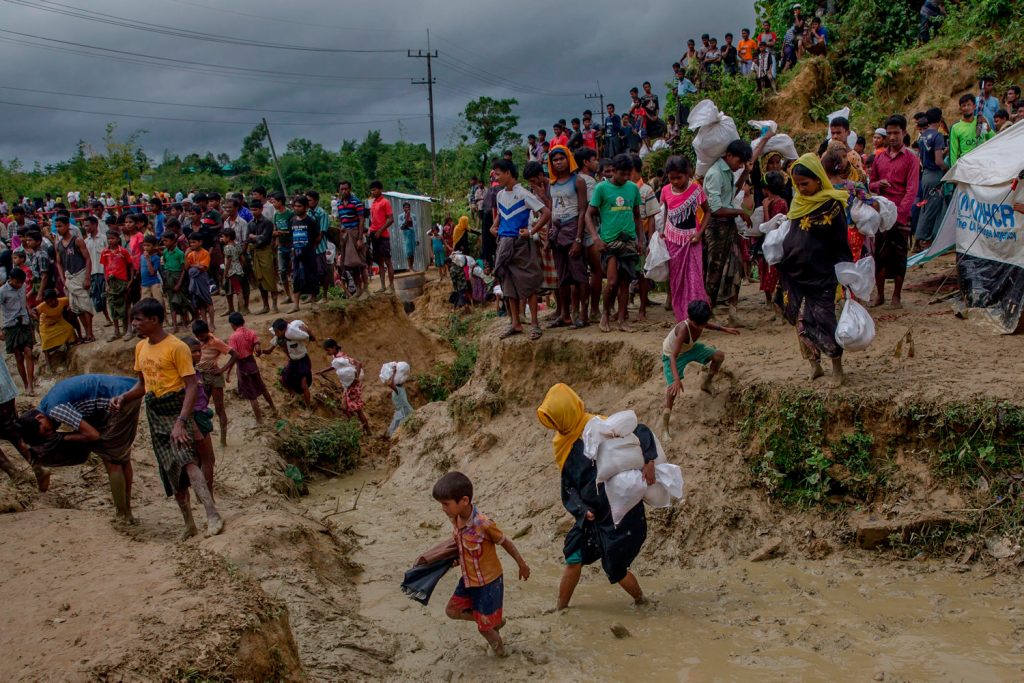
(594, 536)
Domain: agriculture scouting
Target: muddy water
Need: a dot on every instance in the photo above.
(841, 619)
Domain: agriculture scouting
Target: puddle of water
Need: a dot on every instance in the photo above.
(838, 620)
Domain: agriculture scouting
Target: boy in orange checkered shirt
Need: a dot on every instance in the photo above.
(480, 594)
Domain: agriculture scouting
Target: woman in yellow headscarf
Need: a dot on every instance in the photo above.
(594, 536)
(460, 237)
(816, 242)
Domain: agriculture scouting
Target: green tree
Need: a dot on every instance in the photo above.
(492, 123)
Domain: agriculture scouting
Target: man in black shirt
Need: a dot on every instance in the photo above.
(305, 236)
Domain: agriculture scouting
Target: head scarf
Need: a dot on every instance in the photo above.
(803, 205)
(460, 229)
(568, 155)
(562, 411)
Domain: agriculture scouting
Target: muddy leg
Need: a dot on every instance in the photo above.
(186, 514)
(632, 586)
(119, 490)
(716, 363)
(493, 639)
(207, 458)
(222, 414)
(214, 523)
(567, 585)
(838, 376)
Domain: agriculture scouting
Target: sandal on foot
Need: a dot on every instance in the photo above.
(578, 324)
(558, 323)
(536, 334)
(510, 332)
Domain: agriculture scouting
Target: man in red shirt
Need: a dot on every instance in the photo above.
(895, 175)
(381, 218)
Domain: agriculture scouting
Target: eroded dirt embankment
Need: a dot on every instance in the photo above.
(309, 588)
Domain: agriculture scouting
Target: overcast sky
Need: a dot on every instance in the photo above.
(525, 49)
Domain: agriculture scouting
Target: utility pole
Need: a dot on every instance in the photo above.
(597, 96)
(429, 82)
(273, 154)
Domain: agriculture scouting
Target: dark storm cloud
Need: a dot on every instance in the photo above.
(544, 55)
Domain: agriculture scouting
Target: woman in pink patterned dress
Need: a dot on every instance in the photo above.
(682, 198)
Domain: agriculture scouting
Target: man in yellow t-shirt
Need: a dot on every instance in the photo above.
(168, 382)
(747, 48)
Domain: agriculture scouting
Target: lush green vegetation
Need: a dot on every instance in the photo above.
(334, 444)
(445, 378)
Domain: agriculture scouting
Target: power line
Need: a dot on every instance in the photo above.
(140, 60)
(114, 20)
(310, 124)
(507, 82)
(135, 57)
(182, 104)
(429, 82)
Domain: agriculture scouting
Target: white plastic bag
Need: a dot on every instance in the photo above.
(856, 329)
(851, 139)
(478, 272)
(625, 491)
(887, 211)
(667, 487)
(761, 125)
(398, 370)
(865, 217)
(772, 245)
(656, 265)
(777, 220)
(345, 370)
(756, 219)
(295, 331)
(657, 146)
(858, 277)
(781, 143)
(622, 423)
(617, 455)
(715, 131)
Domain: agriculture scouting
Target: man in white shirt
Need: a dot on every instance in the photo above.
(96, 242)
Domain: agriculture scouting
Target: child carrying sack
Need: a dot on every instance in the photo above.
(398, 370)
(345, 370)
(295, 331)
(780, 142)
(715, 131)
(856, 328)
(656, 265)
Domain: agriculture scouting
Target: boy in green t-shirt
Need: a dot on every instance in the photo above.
(968, 132)
(620, 238)
(175, 280)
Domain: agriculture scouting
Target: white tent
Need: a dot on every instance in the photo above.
(983, 226)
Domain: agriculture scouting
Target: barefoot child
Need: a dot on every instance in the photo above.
(211, 373)
(681, 348)
(480, 593)
(149, 265)
(352, 383)
(56, 334)
(18, 335)
(168, 382)
(203, 417)
(234, 272)
(197, 261)
(117, 267)
(246, 346)
(297, 375)
(175, 280)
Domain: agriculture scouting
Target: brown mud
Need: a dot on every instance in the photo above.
(308, 589)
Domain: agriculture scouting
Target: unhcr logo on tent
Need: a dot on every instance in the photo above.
(987, 218)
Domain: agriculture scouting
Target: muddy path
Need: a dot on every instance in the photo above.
(847, 618)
